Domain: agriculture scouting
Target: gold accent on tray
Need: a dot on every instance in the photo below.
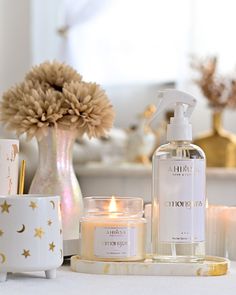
(217, 266)
(49, 222)
(218, 269)
(218, 145)
(211, 266)
(1, 233)
(5, 207)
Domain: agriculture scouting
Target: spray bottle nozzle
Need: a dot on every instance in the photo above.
(179, 110)
(179, 127)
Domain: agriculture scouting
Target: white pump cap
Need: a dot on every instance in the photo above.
(179, 127)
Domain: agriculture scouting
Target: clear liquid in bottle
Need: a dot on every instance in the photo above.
(178, 203)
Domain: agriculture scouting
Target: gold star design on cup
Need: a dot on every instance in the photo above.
(26, 253)
(49, 222)
(33, 205)
(5, 207)
(51, 246)
(1, 233)
(39, 232)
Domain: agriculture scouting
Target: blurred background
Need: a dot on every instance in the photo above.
(132, 48)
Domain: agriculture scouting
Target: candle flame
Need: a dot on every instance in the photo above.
(112, 206)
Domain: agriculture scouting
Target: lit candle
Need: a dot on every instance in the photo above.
(113, 229)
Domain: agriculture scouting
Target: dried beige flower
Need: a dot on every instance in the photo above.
(53, 75)
(88, 108)
(31, 112)
(53, 95)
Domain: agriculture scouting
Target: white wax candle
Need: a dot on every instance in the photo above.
(113, 229)
(230, 220)
(215, 231)
(112, 239)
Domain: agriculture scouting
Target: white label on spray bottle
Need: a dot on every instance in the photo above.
(181, 191)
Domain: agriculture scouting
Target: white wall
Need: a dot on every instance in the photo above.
(15, 43)
(28, 36)
(46, 42)
(130, 100)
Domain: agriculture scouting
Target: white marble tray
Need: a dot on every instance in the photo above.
(212, 266)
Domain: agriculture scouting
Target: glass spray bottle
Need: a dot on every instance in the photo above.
(178, 194)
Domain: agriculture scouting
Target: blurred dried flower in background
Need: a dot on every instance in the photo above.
(219, 90)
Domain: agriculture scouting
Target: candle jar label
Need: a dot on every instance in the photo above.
(181, 190)
(114, 242)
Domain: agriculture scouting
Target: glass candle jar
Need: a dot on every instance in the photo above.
(113, 229)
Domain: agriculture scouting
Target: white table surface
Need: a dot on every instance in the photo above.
(68, 282)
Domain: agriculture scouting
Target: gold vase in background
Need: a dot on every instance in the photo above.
(218, 145)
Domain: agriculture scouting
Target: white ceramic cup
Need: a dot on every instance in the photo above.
(30, 234)
(9, 161)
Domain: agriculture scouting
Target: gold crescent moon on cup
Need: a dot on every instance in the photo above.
(21, 230)
(3, 257)
(53, 204)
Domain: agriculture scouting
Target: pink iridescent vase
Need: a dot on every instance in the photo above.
(55, 175)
